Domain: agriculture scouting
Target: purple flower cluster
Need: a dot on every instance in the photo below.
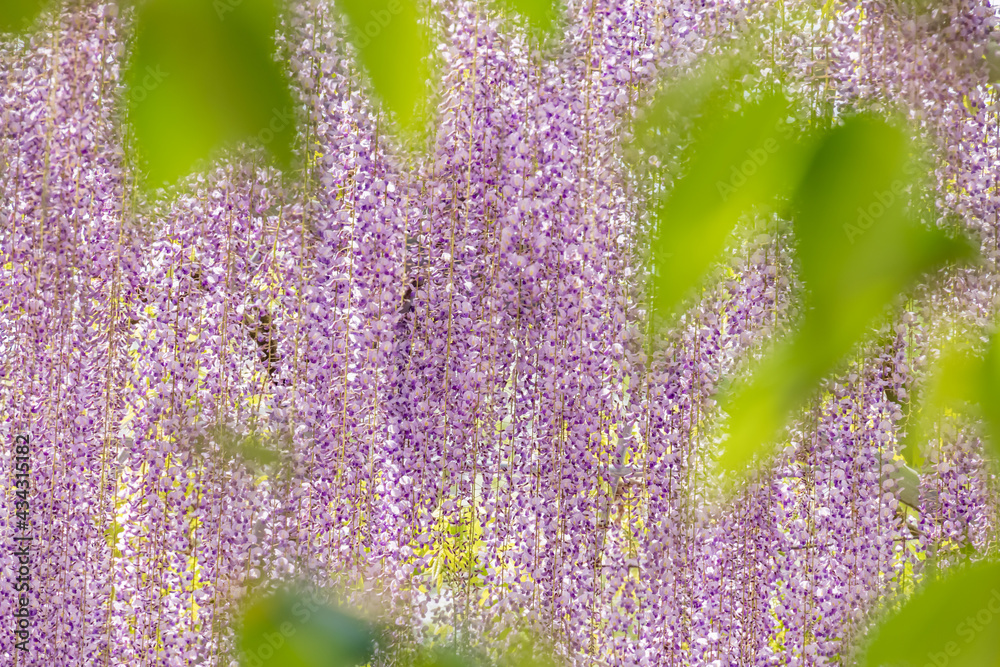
(444, 352)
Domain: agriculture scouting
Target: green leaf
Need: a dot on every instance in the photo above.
(953, 622)
(393, 50)
(538, 12)
(17, 15)
(759, 409)
(739, 160)
(964, 379)
(989, 393)
(956, 380)
(953, 384)
(731, 156)
(289, 629)
(204, 76)
(530, 650)
(858, 245)
(859, 249)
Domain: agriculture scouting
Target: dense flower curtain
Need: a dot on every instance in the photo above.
(458, 405)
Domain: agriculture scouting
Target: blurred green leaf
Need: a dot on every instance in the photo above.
(964, 379)
(292, 629)
(204, 76)
(989, 392)
(17, 15)
(858, 245)
(956, 379)
(441, 657)
(538, 12)
(523, 649)
(858, 249)
(739, 160)
(393, 50)
(530, 650)
(758, 410)
(953, 384)
(953, 622)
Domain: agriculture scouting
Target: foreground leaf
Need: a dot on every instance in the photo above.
(522, 650)
(739, 161)
(204, 76)
(954, 384)
(964, 379)
(859, 246)
(290, 629)
(953, 622)
(538, 12)
(859, 249)
(989, 393)
(393, 50)
(17, 15)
